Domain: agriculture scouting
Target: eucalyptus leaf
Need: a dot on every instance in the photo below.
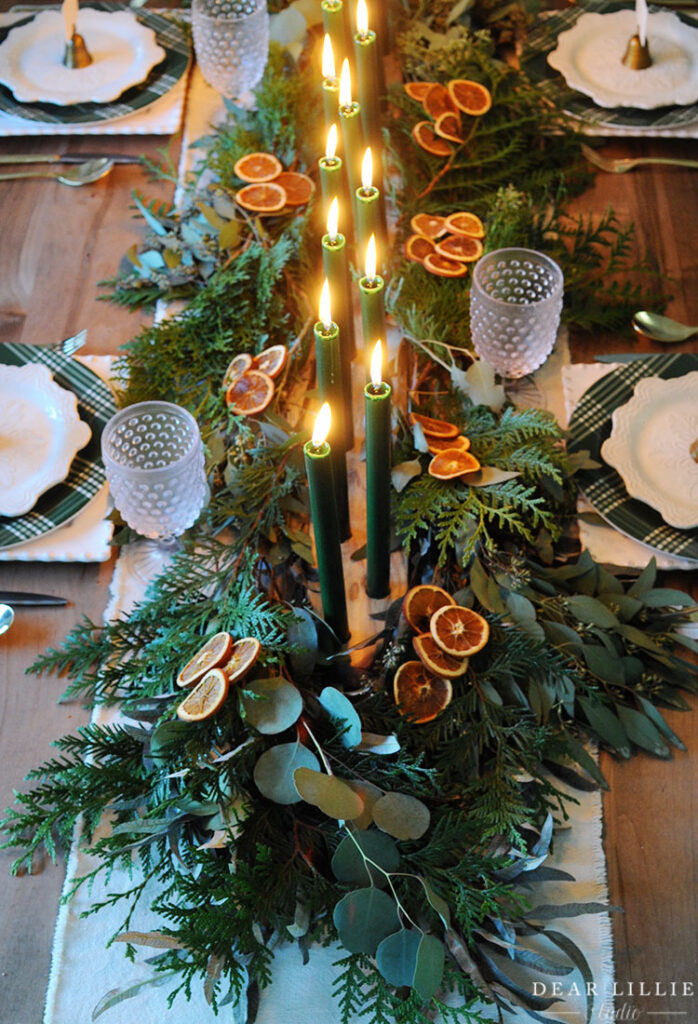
(343, 712)
(369, 795)
(349, 862)
(606, 726)
(479, 581)
(663, 597)
(572, 950)
(403, 472)
(429, 971)
(332, 795)
(552, 911)
(374, 743)
(273, 772)
(271, 705)
(645, 580)
(437, 903)
(488, 476)
(642, 732)
(156, 939)
(364, 918)
(594, 613)
(396, 957)
(604, 664)
(401, 816)
(653, 714)
(117, 995)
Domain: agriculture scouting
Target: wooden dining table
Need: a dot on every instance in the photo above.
(56, 245)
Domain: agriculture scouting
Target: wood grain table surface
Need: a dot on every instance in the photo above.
(56, 244)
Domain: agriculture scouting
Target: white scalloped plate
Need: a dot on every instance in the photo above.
(123, 53)
(650, 446)
(40, 434)
(590, 54)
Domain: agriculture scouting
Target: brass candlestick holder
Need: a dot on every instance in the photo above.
(76, 53)
(637, 54)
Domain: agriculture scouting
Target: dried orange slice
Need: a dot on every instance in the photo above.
(258, 167)
(464, 223)
(215, 651)
(458, 631)
(438, 101)
(424, 135)
(470, 97)
(417, 247)
(417, 90)
(250, 393)
(420, 603)
(433, 427)
(238, 364)
(242, 657)
(419, 694)
(439, 444)
(460, 247)
(448, 126)
(267, 197)
(452, 462)
(298, 187)
(206, 697)
(436, 660)
(443, 266)
(428, 224)
(272, 360)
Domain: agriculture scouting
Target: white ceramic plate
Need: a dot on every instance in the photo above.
(40, 434)
(650, 447)
(123, 52)
(590, 54)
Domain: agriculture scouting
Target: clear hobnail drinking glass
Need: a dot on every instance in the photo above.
(515, 306)
(154, 460)
(231, 43)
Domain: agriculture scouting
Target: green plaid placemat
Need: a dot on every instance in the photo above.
(164, 76)
(95, 406)
(589, 427)
(542, 38)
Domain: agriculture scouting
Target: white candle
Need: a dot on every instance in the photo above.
(70, 15)
(641, 15)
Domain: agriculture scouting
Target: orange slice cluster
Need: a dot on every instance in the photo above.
(249, 380)
(210, 672)
(444, 437)
(270, 189)
(445, 245)
(444, 104)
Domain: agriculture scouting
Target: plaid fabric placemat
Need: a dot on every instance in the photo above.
(590, 425)
(542, 38)
(95, 406)
(173, 38)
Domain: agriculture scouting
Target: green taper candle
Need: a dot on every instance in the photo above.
(369, 89)
(352, 136)
(330, 99)
(371, 293)
(368, 219)
(323, 512)
(331, 180)
(334, 24)
(377, 403)
(329, 380)
(336, 267)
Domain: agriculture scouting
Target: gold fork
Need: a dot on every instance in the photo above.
(621, 164)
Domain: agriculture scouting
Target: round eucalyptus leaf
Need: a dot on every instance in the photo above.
(273, 773)
(364, 918)
(429, 971)
(271, 705)
(302, 640)
(376, 743)
(396, 957)
(349, 860)
(342, 710)
(402, 816)
(167, 734)
(332, 795)
(369, 794)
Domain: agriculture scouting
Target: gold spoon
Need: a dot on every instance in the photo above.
(621, 164)
(661, 328)
(81, 174)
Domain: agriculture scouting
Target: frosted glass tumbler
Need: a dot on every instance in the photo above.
(515, 306)
(231, 43)
(154, 460)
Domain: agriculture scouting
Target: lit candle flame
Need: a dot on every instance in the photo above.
(333, 219)
(325, 308)
(331, 147)
(362, 19)
(323, 422)
(328, 69)
(367, 170)
(376, 366)
(345, 85)
(371, 258)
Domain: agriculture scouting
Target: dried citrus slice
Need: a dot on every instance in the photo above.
(448, 126)
(464, 223)
(443, 266)
(438, 101)
(417, 247)
(439, 444)
(452, 462)
(258, 167)
(417, 90)
(250, 393)
(460, 247)
(242, 657)
(458, 631)
(429, 224)
(267, 197)
(206, 697)
(419, 694)
(436, 660)
(470, 97)
(298, 187)
(424, 135)
(272, 360)
(215, 651)
(420, 603)
(238, 364)
(433, 427)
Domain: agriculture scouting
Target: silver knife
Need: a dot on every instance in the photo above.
(623, 357)
(20, 598)
(66, 158)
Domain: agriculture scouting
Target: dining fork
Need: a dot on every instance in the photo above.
(621, 164)
(69, 346)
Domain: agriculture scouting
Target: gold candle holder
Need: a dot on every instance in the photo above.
(637, 54)
(76, 53)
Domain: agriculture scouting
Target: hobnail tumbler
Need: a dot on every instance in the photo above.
(154, 462)
(515, 306)
(231, 43)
